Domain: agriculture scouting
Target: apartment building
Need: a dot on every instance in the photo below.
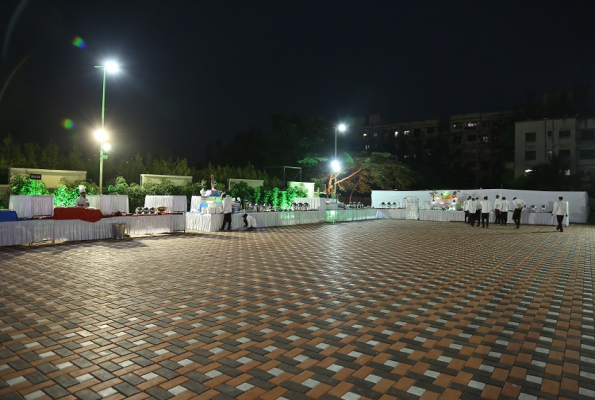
(571, 139)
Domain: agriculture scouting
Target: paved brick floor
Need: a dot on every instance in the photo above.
(375, 309)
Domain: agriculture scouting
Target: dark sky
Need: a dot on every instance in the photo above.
(195, 71)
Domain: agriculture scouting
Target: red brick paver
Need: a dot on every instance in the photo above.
(400, 309)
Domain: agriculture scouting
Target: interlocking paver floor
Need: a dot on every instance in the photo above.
(374, 309)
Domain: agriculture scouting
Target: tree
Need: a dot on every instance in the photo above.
(551, 175)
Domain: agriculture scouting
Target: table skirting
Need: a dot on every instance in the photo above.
(24, 232)
(351, 215)
(32, 206)
(439, 215)
(172, 203)
(398, 213)
(195, 202)
(84, 214)
(109, 204)
(213, 222)
(8, 215)
(530, 218)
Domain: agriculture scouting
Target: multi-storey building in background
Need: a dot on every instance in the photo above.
(572, 140)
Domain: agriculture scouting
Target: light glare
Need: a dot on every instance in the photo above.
(336, 165)
(107, 147)
(111, 67)
(100, 135)
(342, 127)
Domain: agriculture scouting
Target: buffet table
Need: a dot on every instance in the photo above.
(351, 215)
(172, 203)
(439, 215)
(84, 214)
(32, 206)
(392, 213)
(8, 215)
(109, 204)
(531, 218)
(213, 222)
(24, 232)
(195, 202)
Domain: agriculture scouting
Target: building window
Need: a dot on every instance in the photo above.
(565, 134)
(588, 135)
(367, 147)
(485, 139)
(549, 133)
(456, 140)
(396, 133)
(456, 125)
(530, 137)
(587, 154)
(471, 125)
(365, 134)
(564, 153)
(406, 133)
(485, 124)
(431, 129)
(416, 132)
(375, 134)
(471, 138)
(530, 155)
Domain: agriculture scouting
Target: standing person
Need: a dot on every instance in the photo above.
(485, 212)
(504, 208)
(560, 211)
(472, 209)
(518, 209)
(226, 212)
(82, 201)
(497, 205)
(466, 208)
(478, 210)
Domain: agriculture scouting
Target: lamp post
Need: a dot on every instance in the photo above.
(109, 66)
(335, 164)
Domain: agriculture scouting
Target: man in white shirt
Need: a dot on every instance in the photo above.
(518, 209)
(226, 202)
(82, 201)
(249, 222)
(497, 204)
(477, 210)
(504, 208)
(472, 209)
(485, 212)
(560, 211)
(466, 208)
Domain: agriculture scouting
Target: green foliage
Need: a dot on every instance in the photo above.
(23, 186)
(67, 192)
(241, 190)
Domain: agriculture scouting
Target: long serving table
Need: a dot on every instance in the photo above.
(392, 213)
(531, 218)
(173, 204)
(26, 232)
(439, 215)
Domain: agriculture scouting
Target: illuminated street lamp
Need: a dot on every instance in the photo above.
(110, 67)
(335, 164)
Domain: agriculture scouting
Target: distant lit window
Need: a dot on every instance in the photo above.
(375, 134)
(406, 133)
(471, 138)
(564, 134)
(530, 155)
(396, 133)
(471, 125)
(588, 135)
(586, 154)
(365, 134)
(367, 147)
(485, 139)
(564, 153)
(530, 137)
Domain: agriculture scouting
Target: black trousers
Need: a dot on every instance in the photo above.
(516, 216)
(560, 219)
(471, 219)
(497, 215)
(503, 217)
(485, 219)
(226, 220)
(478, 216)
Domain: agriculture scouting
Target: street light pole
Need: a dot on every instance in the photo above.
(340, 128)
(107, 67)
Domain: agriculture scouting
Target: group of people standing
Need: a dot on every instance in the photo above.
(477, 210)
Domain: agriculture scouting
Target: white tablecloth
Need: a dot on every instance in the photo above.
(530, 218)
(171, 203)
(30, 206)
(109, 204)
(438, 215)
(314, 203)
(23, 232)
(399, 213)
(213, 222)
(195, 203)
(351, 215)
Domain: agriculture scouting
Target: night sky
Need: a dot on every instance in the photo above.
(197, 71)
